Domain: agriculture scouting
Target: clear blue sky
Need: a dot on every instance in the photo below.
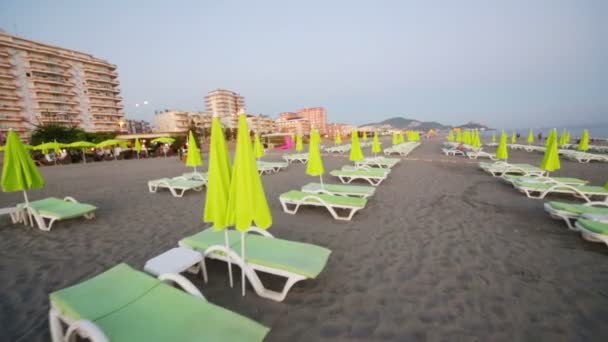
(506, 63)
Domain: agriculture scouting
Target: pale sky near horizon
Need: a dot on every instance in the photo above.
(505, 63)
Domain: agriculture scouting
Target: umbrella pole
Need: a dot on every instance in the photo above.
(243, 261)
(229, 262)
(27, 208)
(321, 178)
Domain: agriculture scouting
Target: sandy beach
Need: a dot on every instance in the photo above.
(442, 252)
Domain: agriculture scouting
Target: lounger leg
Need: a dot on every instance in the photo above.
(290, 211)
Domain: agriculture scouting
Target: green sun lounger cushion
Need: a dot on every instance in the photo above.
(196, 175)
(578, 209)
(181, 183)
(565, 180)
(296, 257)
(128, 305)
(169, 314)
(60, 209)
(359, 173)
(368, 171)
(594, 226)
(586, 189)
(104, 293)
(340, 188)
(344, 201)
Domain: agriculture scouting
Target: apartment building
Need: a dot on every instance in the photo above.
(306, 117)
(224, 102)
(261, 123)
(138, 126)
(173, 121)
(45, 84)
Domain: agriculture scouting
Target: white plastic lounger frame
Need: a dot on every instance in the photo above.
(454, 152)
(176, 191)
(21, 216)
(373, 180)
(318, 202)
(292, 158)
(87, 329)
(514, 169)
(560, 189)
(591, 236)
(481, 154)
(221, 252)
(568, 217)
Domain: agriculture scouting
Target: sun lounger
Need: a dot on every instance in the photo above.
(373, 176)
(177, 186)
(275, 166)
(201, 176)
(340, 189)
(544, 179)
(125, 305)
(592, 230)
(481, 154)
(570, 212)
(300, 157)
(380, 162)
(265, 169)
(46, 211)
(292, 200)
(452, 152)
(500, 168)
(264, 253)
(540, 190)
(584, 157)
(338, 149)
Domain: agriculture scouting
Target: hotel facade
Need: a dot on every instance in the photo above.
(302, 121)
(44, 84)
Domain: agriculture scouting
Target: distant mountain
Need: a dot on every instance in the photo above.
(404, 123)
(474, 125)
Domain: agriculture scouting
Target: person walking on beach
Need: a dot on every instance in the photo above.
(540, 136)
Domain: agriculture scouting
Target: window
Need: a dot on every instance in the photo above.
(27, 74)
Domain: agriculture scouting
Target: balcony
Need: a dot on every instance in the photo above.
(103, 88)
(105, 105)
(58, 119)
(55, 100)
(5, 65)
(95, 112)
(5, 75)
(10, 108)
(57, 110)
(102, 96)
(53, 81)
(50, 72)
(55, 91)
(100, 71)
(4, 53)
(48, 61)
(101, 80)
(10, 117)
(4, 96)
(6, 85)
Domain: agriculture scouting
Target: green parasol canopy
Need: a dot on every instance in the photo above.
(19, 172)
(299, 146)
(451, 136)
(137, 146)
(163, 140)
(376, 147)
(194, 154)
(501, 151)
(584, 143)
(55, 146)
(338, 139)
(355, 149)
(80, 144)
(247, 203)
(258, 148)
(551, 158)
(530, 139)
(110, 142)
(315, 162)
(218, 182)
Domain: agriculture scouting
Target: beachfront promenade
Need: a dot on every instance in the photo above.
(441, 251)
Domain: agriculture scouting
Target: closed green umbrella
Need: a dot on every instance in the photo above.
(19, 172)
(355, 149)
(493, 137)
(338, 139)
(501, 151)
(218, 184)
(395, 138)
(376, 147)
(299, 145)
(451, 136)
(562, 138)
(549, 138)
(550, 161)
(247, 203)
(315, 162)
(82, 145)
(567, 137)
(513, 138)
(194, 154)
(476, 139)
(584, 143)
(258, 148)
(459, 136)
(137, 147)
(401, 137)
(364, 135)
(530, 139)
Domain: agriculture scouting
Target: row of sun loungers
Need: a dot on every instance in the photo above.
(339, 148)
(571, 154)
(589, 218)
(450, 149)
(402, 149)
